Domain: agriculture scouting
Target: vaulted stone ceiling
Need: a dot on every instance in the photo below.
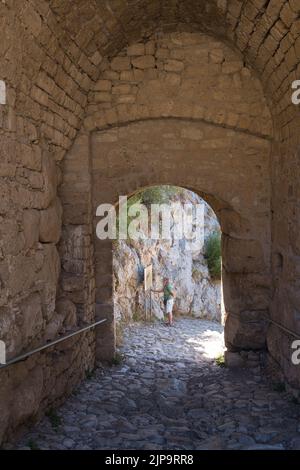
(265, 31)
(109, 25)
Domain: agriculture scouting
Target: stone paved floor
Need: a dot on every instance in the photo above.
(168, 393)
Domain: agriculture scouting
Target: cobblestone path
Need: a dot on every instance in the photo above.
(169, 393)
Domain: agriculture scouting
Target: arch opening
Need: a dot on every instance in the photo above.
(176, 235)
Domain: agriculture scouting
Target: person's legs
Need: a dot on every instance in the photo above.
(165, 311)
(169, 311)
(167, 317)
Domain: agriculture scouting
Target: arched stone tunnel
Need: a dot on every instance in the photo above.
(100, 98)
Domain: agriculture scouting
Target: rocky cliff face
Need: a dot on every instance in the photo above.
(196, 293)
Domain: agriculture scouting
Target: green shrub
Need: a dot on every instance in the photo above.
(152, 195)
(279, 387)
(137, 316)
(32, 445)
(135, 199)
(212, 254)
(54, 419)
(159, 194)
(89, 374)
(117, 359)
(220, 360)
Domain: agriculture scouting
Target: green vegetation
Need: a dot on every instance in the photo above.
(148, 196)
(279, 387)
(32, 445)
(89, 374)
(117, 360)
(54, 419)
(212, 253)
(158, 194)
(138, 315)
(220, 360)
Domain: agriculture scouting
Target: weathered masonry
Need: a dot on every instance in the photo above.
(101, 98)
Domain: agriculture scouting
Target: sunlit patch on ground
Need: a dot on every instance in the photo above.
(210, 342)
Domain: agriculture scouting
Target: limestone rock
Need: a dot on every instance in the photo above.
(196, 293)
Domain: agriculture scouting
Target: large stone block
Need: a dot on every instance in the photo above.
(172, 65)
(119, 64)
(73, 283)
(43, 199)
(143, 62)
(105, 342)
(136, 49)
(242, 333)
(103, 85)
(32, 318)
(233, 360)
(48, 275)
(51, 223)
(30, 157)
(67, 309)
(31, 225)
(27, 396)
(244, 292)
(54, 327)
(242, 256)
(12, 241)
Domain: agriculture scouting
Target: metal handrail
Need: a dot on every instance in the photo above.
(269, 320)
(284, 328)
(24, 356)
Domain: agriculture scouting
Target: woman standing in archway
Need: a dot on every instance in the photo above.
(169, 297)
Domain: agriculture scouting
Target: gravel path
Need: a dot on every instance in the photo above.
(169, 393)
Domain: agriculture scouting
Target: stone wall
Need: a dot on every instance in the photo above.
(195, 101)
(147, 148)
(152, 112)
(179, 75)
(46, 81)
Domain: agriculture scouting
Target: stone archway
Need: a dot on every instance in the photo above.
(153, 120)
(63, 66)
(151, 159)
(220, 177)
